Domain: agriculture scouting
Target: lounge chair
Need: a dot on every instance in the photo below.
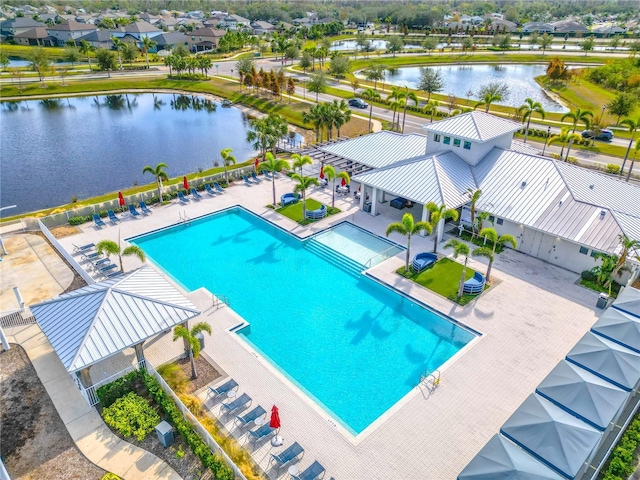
(288, 455)
(98, 221)
(224, 388)
(182, 198)
(312, 472)
(144, 209)
(132, 210)
(252, 416)
(91, 256)
(289, 198)
(100, 262)
(111, 274)
(195, 193)
(112, 217)
(243, 400)
(247, 181)
(82, 248)
(209, 190)
(106, 268)
(255, 178)
(266, 174)
(218, 188)
(261, 432)
(423, 260)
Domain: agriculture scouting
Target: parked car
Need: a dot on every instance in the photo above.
(605, 135)
(358, 103)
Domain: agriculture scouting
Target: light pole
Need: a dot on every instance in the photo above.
(604, 107)
(545, 143)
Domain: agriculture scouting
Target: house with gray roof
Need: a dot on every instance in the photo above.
(17, 25)
(70, 30)
(35, 37)
(569, 26)
(101, 38)
(539, 27)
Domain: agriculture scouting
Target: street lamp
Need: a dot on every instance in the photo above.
(545, 143)
(604, 107)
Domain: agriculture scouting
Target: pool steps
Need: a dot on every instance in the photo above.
(338, 259)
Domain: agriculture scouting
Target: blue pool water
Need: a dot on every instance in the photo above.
(353, 345)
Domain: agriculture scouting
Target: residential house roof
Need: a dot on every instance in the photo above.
(100, 35)
(476, 126)
(568, 26)
(21, 22)
(208, 32)
(262, 25)
(141, 27)
(170, 38)
(71, 26)
(37, 33)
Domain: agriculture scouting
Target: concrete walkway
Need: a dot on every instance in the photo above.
(92, 437)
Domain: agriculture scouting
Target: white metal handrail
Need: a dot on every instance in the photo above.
(368, 263)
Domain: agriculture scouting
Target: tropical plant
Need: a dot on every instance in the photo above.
(408, 227)
(315, 116)
(266, 132)
(579, 115)
(633, 126)
(317, 84)
(330, 173)
(633, 160)
(527, 109)
(118, 45)
(39, 61)
(273, 165)
(227, 161)
(605, 269)
(492, 92)
(490, 253)
(623, 104)
(563, 138)
(629, 247)
(159, 175)
(475, 196)
(480, 219)
(130, 52)
(132, 416)
(112, 248)
(405, 95)
(300, 161)
(370, 94)
(303, 184)
(460, 249)
(438, 213)
(147, 44)
(431, 108)
(375, 72)
(340, 114)
(191, 341)
(545, 41)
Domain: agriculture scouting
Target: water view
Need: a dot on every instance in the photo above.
(56, 149)
(460, 79)
(350, 45)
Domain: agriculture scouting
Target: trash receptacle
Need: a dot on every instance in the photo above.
(603, 299)
(367, 207)
(165, 433)
(200, 338)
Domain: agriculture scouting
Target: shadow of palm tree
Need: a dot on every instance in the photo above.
(269, 254)
(367, 325)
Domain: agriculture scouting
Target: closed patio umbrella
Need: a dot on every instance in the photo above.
(343, 183)
(120, 199)
(256, 163)
(276, 441)
(322, 173)
(185, 183)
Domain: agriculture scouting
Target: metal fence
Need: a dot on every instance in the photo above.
(89, 393)
(67, 256)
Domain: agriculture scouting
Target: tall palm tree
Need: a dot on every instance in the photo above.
(371, 95)
(147, 44)
(408, 227)
(227, 160)
(633, 160)
(563, 138)
(633, 127)
(460, 248)
(527, 109)
(112, 248)
(490, 234)
(439, 213)
(430, 108)
(341, 114)
(159, 174)
(303, 184)
(405, 95)
(331, 175)
(314, 116)
(395, 103)
(191, 342)
(579, 115)
(265, 132)
(488, 99)
(119, 45)
(273, 165)
(85, 49)
(300, 161)
(628, 245)
(394, 106)
(475, 196)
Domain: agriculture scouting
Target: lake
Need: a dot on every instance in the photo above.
(459, 79)
(53, 150)
(352, 45)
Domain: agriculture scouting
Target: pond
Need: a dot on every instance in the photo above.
(56, 149)
(460, 79)
(21, 62)
(351, 45)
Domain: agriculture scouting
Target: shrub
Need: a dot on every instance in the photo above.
(174, 376)
(131, 415)
(572, 160)
(79, 220)
(623, 457)
(107, 394)
(588, 275)
(612, 168)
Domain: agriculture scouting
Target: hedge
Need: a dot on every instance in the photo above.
(624, 457)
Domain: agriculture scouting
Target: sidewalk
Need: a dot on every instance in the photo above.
(92, 437)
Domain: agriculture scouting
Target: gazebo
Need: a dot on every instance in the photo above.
(98, 321)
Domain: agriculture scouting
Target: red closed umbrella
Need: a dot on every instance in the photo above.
(275, 418)
(322, 173)
(343, 183)
(185, 183)
(120, 199)
(256, 163)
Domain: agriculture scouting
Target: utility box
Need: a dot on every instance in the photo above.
(367, 207)
(165, 433)
(603, 299)
(200, 338)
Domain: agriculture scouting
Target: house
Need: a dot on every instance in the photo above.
(168, 40)
(204, 39)
(499, 25)
(234, 22)
(141, 29)
(18, 25)
(569, 26)
(608, 29)
(101, 38)
(35, 36)
(558, 212)
(259, 27)
(70, 30)
(169, 23)
(539, 27)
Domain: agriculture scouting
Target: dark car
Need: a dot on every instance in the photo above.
(358, 103)
(605, 135)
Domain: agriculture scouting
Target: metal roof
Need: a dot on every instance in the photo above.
(379, 149)
(99, 320)
(620, 327)
(628, 301)
(475, 126)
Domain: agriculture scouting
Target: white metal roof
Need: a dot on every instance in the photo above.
(476, 126)
(379, 149)
(97, 321)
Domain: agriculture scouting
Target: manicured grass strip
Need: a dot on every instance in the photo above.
(294, 211)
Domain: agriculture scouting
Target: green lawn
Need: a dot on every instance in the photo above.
(442, 278)
(294, 211)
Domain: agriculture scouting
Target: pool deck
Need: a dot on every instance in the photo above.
(529, 321)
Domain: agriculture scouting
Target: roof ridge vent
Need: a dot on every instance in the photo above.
(523, 184)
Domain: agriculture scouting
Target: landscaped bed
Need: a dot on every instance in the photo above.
(294, 211)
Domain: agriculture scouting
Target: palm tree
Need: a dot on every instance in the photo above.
(460, 248)
(438, 213)
(408, 227)
(300, 161)
(527, 109)
(191, 342)
(273, 165)
(633, 160)
(118, 44)
(159, 174)
(85, 49)
(394, 106)
(633, 127)
(563, 138)
(488, 99)
(341, 114)
(579, 115)
(480, 219)
(303, 184)
(490, 234)
(314, 116)
(227, 160)
(475, 196)
(147, 44)
(331, 175)
(371, 95)
(430, 108)
(405, 95)
(266, 132)
(112, 248)
(628, 245)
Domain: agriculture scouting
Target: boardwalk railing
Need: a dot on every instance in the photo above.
(15, 319)
(67, 256)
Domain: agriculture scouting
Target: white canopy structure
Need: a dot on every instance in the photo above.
(620, 327)
(629, 301)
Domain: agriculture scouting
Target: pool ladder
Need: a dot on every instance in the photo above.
(184, 218)
(431, 380)
(220, 301)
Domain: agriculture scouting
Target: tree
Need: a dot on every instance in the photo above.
(492, 92)
(291, 87)
(579, 115)
(405, 96)
(633, 128)
(633, 160)
(429, 44)
(106, 60)
(303, 184)
(395, 45)
(273, 165)
(306, 61)
(300, 161)
(315, 116)
(627, 246)
(587, 44)
(72, 55)
(371, 95)
(505, 43)
(438, 213)
(375, 72)
(39, 61)
(191, 341)
(557, 70)
(545, 41)
(330, 173)
(159, 175)
(118, 45)
(408, 227)
(147, 44)
(340, 114)
(431, 108)
(527, 109)
(266, 132)
(563, 138)
(4, 61)
(112, 248)
(129, 52)
(317, 84)
(204, 64)
(431, 81)
(339, 66)
(227, 161)
(475, 196)
(460, 249)
(355, 84)
(291, 53)
(623, 104)
(534, 38)
(491, 235)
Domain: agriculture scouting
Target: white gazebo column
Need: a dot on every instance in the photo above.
(383, 199)
(85, 377)
(139, 352)
(425, 218)
(440, 231)
(363, 195)
(374, 202)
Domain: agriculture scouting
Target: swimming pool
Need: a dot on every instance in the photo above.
(353, 345)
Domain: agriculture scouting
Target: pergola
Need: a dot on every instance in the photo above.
(317, 154)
